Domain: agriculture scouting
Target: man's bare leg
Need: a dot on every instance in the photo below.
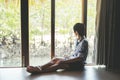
(52, 62)
(55, 67)
(32, 69)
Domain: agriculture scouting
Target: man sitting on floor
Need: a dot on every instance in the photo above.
(75, 61)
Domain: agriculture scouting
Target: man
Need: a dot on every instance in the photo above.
(75, 61)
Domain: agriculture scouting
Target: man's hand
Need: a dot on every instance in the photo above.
(60, 61)
(57, 60)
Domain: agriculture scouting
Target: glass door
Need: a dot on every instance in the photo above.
(67, 13)
(39, 31)
(91, 16)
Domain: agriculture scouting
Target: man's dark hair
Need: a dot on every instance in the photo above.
(80, 28)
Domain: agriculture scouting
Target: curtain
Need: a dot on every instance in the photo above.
(107, 38)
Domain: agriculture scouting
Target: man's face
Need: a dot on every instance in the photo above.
(76, 34)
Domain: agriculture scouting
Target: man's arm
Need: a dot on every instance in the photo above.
(83, 51)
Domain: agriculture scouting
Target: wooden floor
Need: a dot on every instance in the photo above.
(90, 73)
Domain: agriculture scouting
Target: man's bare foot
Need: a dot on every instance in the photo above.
(34, 69)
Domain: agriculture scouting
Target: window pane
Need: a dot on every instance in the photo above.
(10, 33)
(91, 29)
(39, 31)
(68, 12)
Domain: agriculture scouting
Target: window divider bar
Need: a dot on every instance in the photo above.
(52, 28)
(25, 32)
(84, 14)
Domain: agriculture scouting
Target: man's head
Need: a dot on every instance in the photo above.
(79, 29)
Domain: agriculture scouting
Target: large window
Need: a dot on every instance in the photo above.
(10, 33)
(46, 29)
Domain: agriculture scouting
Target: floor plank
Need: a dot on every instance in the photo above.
(90, 73)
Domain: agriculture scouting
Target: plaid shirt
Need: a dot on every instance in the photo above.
(81, 49)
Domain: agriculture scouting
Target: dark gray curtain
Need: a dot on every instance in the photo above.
(107, 39)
